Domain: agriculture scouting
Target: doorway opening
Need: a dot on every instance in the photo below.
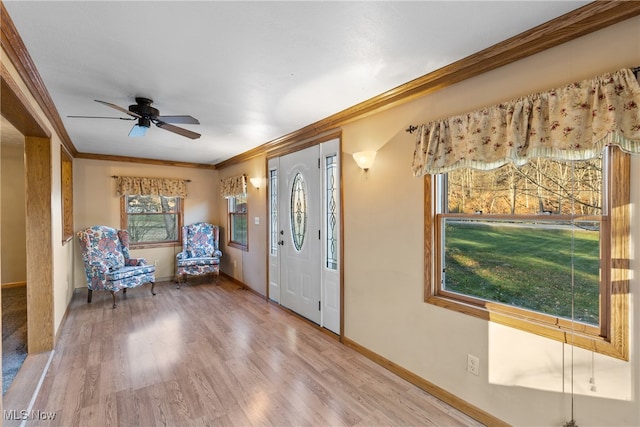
(17, 110)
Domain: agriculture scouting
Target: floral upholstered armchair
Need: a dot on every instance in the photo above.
(107, 264)
(200, 253)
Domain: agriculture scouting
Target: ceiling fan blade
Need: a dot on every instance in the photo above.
(117, 107)
(178, 130)
(101, 117)
(185, 120)
(138, 130)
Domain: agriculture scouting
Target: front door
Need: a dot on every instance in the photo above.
(304, 233)
(300, 230)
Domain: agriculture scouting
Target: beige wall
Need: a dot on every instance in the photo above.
(248, 266)
(13, 238)
(524, 379)
(521, 379)
(95, 203)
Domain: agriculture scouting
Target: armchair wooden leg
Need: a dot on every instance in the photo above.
(180, 278)
(89, 295)
(153, 285)
(113, 294)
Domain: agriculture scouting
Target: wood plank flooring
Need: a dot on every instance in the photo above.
(207, 355)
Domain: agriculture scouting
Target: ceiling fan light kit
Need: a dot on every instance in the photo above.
(138, 130)
(146, 114)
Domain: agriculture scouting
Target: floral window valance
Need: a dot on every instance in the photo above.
(234, 186)
(574, 122)
(140, 186)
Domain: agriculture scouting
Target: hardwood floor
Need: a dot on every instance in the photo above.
(216, 355)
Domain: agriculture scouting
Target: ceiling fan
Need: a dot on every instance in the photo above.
(146, 114)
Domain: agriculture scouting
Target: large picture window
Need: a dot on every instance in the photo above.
(528, 237)
(532, 247)
(152, 220)
(543, 246)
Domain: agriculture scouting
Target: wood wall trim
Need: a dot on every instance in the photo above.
(143, 161)
(619, 268)
(291, 145)
(13, 45)
(16, 108)
(39, 244)
(13, 285)
(301, 145)
(587, 19)
(66, 190)
(447, 397)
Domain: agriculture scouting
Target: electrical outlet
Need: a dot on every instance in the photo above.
(473, 364)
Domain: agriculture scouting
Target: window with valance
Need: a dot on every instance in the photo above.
(151, 209)
(527, 220)
(234, 189)
(233, 186)
(142, 186)
(574, 122)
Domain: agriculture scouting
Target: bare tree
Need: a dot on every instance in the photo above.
(558, 186)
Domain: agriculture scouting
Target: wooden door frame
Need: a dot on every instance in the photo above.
(15, 107)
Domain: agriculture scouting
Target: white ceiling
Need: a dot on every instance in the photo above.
(249, 71)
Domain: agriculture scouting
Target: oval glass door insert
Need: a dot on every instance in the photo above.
(298, 211)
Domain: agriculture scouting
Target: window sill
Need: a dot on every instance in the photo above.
(238, 246)
(526, 321)
(154, 245)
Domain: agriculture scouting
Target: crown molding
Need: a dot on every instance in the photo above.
(17, 109)
(572, 25)
(141, 160)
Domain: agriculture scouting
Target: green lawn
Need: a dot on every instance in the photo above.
(528, 267)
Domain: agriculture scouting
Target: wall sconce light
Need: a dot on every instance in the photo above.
(256, 182)
(364, 159)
